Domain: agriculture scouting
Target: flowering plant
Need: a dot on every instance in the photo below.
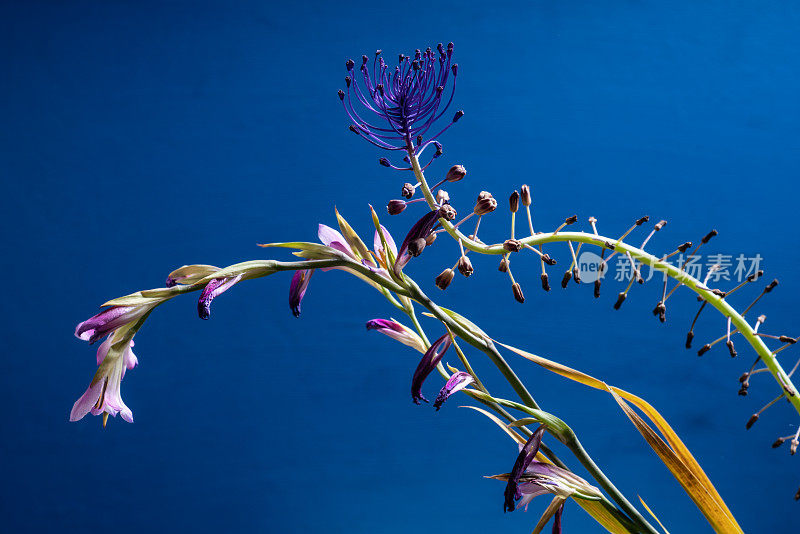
(400, 109)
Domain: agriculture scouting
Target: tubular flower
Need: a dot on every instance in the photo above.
(403, 103)
(398, 332)
(109, 320)
(297, 289)
(214, 288)
(103, 395)
(457, 382)
(427, 364)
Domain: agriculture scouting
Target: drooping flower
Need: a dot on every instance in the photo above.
(103, 394)
(397, 331)
(297, 289)
(427, 364)
(403, 102)
(109, 320)
(456, 383)
(213, 289)
(412, 246)
(524, 459)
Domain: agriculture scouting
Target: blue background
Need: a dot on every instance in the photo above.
(136, 138)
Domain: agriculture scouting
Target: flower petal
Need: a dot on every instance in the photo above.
(524, 459)
(427, 364)
(107, 321)
(397, 331)
(332, 238)
(214, 288)
(86, 401)
(297, 288)
(457, 382)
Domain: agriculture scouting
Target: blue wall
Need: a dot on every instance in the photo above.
(137, 138)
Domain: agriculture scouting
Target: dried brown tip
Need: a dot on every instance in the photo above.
(447, 212)
(545, 282)
(705, 348)
(512, 245)
(503, 267)
(518, 293)
(731, 349)
(787, 339)
(513, 201)
(416, 246)
(755, 276)
(597, 289)
(708, 236)
(620, 299)
(456, 173)
(771, 286)
(689, 338)
(408, 190)
(485, 203)
(751, 421)
(548, 260)
(465, 266)
(659, 225)
(686, 246)
(566, 279)
(576, 275)
(444, 279)
(642, 220)
(525, 195)
(778, 443)
(571, 220)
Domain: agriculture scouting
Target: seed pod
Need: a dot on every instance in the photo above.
(512, 245)
(513, 201)
(576, 275)
(548, 260)
(465, 266)
(525, 195)
(416, 246)
(444, 279)
(518, 293)
(659, 225)
(566, 279)
(751, 421)
(689, 338)
(686, 246)
(571, 220)
(642, 220)
(447, 212)
(456, 173)
(485, 203)
(731, 349)
(708, 236)
(545, 282)
(597, 289)
(778, 443)
(395, 207)
(503, 267)
(408, 190)
(620, 299)
(705, 348)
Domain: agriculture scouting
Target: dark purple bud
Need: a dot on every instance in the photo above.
(421, 229)
(384, 162)
(349, 65)
(485, 203)
(395, 207)
(642, 220)
(771, 286)
(513, 201)
(171, 282)
(684, 247)
(731, 348)
(503, 267)
(751, 421)
(456, 173)
(689, 338)
(548, 260)
(341, 97)
(458, 115)
(354, 129)
(457, 382)
(705, 348)
(348, 80)
(297, 289)
(439, 150)
(213, 289)
(426, 365)
(455, 69)
(364, 60)
(416, 246)
(566, 279)
(620, 299)
(524, 459)
(778, 443)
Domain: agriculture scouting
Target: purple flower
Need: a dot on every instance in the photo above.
(398, 332)
(406, 100)
(457, 382)
(214, 288)
(427, 364)
(380, 253)
(524, 459)
(297, 289)
(103, 395)
(332, 238)
(108, 320)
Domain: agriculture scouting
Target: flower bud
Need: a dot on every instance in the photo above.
(545, 282)
(751, 421)
(442, 197)
(518, 293)
(395, 207)
(620, 299)
(684, 247)
(485, 203)
(408, 190)
(778, 443)
(430, 239)
(642, 220)
(465, 266)
(416, 246)
(731, 349)
(444, 279)
(384, 162)
(705, 348)
(571, 219)
(708, 236)
(513, 201)
(548, 260)
(503, 267)
(659, 225)
(566, 279)
(512, 245)
(456, 173)
(525, 195)
(447, 212)
(689, 338)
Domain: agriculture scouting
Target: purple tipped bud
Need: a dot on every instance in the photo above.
(458, 115)
(689, 338)
(771, 286)
(686, 246)
(426, 365)
(395, 207)
(341, 96)
(526, 456)
(455, 69)
(513, 201)
(525, 195)
(566, 279)
(384, 162)
(439, 149)
(354, 129)
(731, 349)
(297, 289)
(548, 260)
(364, 60)
(571, 220)
(349, 64)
